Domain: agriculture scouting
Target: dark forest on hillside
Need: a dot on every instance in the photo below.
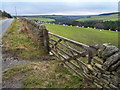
(5, 14)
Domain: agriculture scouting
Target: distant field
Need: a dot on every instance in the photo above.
(85, 35)
(113, 17)
(42, 19)
(3, 18)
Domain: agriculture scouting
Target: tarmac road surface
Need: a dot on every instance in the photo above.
(4, 24)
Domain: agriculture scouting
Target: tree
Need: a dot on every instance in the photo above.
(5, 14)
(0, 13)
(76, 23)
(99, 25)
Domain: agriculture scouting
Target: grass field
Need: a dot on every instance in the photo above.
(104, 18)
(42, 19)
(85, 35)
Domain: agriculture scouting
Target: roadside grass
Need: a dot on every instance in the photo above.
(44, 74)
(19, 44)
(87, 36)
(1, 18)
(16, 70)
(42, 19)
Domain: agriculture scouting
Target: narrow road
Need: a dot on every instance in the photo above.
(4, 24)
(7, 60)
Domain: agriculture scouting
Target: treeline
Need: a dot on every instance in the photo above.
(99, 24)
(59, 18)
(63, 19)
(107, 25)
(5, 14)
(71, 20)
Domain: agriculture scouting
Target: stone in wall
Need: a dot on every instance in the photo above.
(106, 51)
(111, 64)
(112, 61)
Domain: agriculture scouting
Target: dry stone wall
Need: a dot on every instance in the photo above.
(106, 67)
(37, 32)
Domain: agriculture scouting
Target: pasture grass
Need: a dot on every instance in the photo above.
(87, 36)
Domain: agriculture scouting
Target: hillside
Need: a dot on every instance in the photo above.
(109, 13)
(57, 18)
(102, 17)
(4, 14)
(42, 19)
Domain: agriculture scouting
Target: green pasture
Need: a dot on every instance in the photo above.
(85, 35)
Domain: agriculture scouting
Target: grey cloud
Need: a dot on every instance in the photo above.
(44, 8)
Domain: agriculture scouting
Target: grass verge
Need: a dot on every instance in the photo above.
(1, 18)
(19, 44)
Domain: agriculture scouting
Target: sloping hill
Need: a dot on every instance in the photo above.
(102, 17)
(109, 13)
(4, 14)
(42, 19)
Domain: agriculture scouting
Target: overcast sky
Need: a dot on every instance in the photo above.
(59, 7)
